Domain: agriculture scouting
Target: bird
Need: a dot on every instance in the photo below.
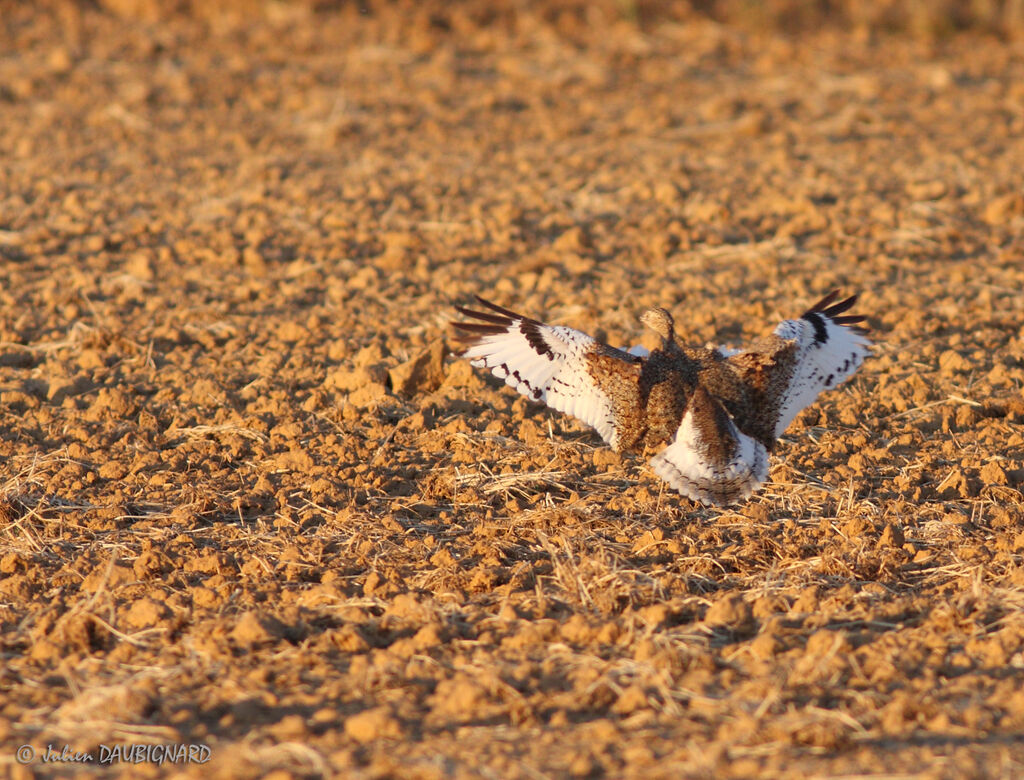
(706, 417)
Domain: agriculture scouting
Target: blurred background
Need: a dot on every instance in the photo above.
(917, 17)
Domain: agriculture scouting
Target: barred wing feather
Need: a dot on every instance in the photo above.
(546, 363)
(817, 352)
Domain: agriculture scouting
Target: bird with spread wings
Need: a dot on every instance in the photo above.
(706, 417)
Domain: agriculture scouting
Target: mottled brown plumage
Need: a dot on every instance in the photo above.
(708, 417)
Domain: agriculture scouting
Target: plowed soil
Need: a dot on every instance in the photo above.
(250, 499)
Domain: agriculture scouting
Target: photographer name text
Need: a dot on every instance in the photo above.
(123, 753)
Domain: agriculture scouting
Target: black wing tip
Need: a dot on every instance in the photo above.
(482, 315)
(833, 310)
(479, 328)
(501, 316)
(821, 305)
(829, 308)
(499, 309)
(490, 324)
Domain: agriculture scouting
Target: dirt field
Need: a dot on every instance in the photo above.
(251, 500)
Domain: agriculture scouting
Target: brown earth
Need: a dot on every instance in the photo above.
(250, 500)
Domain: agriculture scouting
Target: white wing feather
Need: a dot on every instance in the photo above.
(827, 355)
(558, 378)
(708, 459)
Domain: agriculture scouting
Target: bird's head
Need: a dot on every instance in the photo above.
(661, 322)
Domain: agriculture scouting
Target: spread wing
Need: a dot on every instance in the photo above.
(786, 372)
(710, 460)
(566, 369)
